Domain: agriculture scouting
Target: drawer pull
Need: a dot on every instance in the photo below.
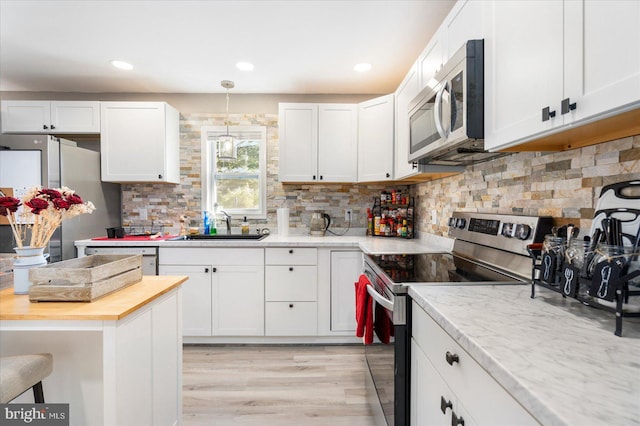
(291, 305)
(455, 420)
(444, 404)
(291, 251)
(291, 268)
(215, 269)
(451, 358)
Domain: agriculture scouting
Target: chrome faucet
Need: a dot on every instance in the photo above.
(227, 219)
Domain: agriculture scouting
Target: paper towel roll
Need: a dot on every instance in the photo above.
(283, 221)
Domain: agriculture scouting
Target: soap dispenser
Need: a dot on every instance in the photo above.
(244, 226)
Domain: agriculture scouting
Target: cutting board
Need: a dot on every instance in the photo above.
(621, 201)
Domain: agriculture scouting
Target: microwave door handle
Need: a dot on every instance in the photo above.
(437, 110)
(382, 301)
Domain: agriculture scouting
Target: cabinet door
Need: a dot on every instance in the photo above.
(26, 116)
(291, 319)
(345, 270)
(196, 297)
(431, 60)
(602, 57)
(375, 139)
(298, 140)
(408, 89)
(337, 142)
(427, 389)
(464, 22)
(238, 300)
(75, 116)
(133, 143)
(523, 70)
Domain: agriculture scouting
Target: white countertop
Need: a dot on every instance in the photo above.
(369, 245)
(558, 358)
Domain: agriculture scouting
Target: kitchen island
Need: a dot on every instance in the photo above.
(557, 358)
(116, 361)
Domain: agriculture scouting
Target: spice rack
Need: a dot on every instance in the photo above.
(388, 217)
(559, 282)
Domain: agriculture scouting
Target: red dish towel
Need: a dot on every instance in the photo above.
(364, 310)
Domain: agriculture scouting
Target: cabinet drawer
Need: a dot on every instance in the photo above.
(479, 392)
(291, 256)
(210, 256)
(291, 318)
(286, 283)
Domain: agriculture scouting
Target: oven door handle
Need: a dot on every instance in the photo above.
(382, 301)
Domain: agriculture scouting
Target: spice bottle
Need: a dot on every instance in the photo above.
(369, 222)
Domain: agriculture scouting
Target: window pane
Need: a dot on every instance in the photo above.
(248, 159)
(238, 193)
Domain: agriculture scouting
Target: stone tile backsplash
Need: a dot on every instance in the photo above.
(564, 185)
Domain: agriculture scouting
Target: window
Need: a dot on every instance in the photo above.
(235, 186)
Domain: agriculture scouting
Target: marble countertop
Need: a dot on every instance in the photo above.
(369, 245)
(557, 357)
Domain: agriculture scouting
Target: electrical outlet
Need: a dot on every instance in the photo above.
(143, 214)
(348, 215)
(434, 217)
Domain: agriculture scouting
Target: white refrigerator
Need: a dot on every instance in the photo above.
(28, 160)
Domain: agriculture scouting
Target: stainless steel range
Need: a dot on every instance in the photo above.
(488, 249)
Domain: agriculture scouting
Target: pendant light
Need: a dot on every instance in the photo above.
(227, 150)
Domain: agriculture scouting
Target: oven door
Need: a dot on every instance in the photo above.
(388, 362)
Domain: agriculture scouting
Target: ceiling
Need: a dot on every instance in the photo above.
(297, 46)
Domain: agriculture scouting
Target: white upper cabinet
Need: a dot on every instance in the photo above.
(375, 139)
(337, 142)
(407, 90)
(550, 65)
(466, 21)
(47, 117)
(140, 142)
(523, 69)
(431, 59)
(318, 142)
(602, 57)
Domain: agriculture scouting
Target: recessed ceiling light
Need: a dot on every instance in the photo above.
(363, 67)
(245, 66)
(121, 65)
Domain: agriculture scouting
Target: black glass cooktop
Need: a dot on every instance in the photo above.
(434, 267)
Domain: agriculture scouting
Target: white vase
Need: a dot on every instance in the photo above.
(28, 257)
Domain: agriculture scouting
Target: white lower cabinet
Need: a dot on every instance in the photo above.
(291, 292)
(224, 295)
(442, 372)
(346, 267)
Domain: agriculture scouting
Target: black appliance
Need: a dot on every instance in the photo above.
(488, 249)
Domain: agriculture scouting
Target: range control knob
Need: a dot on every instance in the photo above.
(452, 221)
(507, 230)
(461, 223)
(523, 231)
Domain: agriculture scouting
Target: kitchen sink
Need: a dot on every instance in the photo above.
(219, 237)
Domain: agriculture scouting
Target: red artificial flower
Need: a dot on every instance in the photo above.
(61, 203)
(74, 199)
(37, 205)
(8, 205)
(51, 194)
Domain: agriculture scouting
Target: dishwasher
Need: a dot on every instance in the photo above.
(149, 256)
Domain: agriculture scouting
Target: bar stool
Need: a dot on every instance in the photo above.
(21, 372)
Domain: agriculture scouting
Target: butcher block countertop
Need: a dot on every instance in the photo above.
(113, 306)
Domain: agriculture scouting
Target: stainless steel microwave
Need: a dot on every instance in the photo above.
(447, 117)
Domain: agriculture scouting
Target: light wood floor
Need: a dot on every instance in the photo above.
(275, 385)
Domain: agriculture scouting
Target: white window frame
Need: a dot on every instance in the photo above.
(208, 147)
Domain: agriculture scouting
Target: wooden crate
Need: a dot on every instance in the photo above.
(84, 279)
